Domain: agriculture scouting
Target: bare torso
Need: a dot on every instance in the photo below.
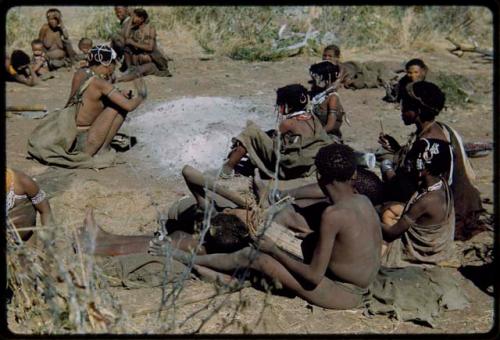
(356, 252)
(92, 104)
(52, 42)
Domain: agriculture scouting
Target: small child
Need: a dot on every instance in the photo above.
(325, 99)
(331, 53)
(39, 58)
(84, 45)
(416, 70)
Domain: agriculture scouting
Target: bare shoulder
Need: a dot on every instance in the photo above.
(336, 212)
(287, 124)
(44, 28)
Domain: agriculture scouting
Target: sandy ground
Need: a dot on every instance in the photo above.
(125, 197)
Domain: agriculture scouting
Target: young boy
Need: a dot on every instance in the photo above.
(341, 259)
(302, 135)
(325, 99)
(39, 61)
(424, 233)
(84, 45)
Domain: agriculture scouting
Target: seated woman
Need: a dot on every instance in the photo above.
(24, 199)
(18, 68)
(79, 136)
(55, 38)
(421, 103)
(424, 233)
(325, 100)
(300, 137)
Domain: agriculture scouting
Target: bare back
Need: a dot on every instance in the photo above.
(356, 251)
(92, 103)
(294, 126)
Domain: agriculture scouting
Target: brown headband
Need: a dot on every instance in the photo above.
(411, 93)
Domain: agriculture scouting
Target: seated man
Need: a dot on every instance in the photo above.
(142, 55)
(18, 68)
(70, 137)
(341, 259)
(424, 233)
(302, 135)
(118, 39)
(325, 99)
(56, 41)
(23, 199)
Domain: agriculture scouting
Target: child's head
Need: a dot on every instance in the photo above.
(140, 16)
(432, 156)
(121, 12)
(37, 48)
(291, 98)
(335, 162)
(323, 74)
(331, 53)
(227, 234)
(20, 61)
(85, 44)
(53, 17)
(416, 70)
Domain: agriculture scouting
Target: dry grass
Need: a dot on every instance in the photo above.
(251, 33)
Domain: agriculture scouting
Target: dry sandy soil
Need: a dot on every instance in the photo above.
(125, 196)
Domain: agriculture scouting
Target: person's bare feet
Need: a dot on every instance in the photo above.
(165, 248)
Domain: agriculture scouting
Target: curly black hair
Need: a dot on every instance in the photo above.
(325, 70)
(335, 162)
(369, 184)
(227, 234)
(18, 59)
(427, 98)
(294, 96)
(416, 62)
(141, 13)
(334, 48)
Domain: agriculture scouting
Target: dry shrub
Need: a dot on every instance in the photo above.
(56, 291)
(21, 29)
(251, 32)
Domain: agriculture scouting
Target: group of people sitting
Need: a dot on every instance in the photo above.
(350, 221)
(135, 44)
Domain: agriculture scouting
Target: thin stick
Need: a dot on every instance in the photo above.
(381, 125)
